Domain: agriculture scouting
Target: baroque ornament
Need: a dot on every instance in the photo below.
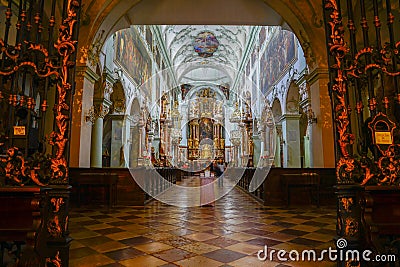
(42, 170)
(349, 168)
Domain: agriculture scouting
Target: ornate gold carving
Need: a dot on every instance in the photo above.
(351, 227)
(350, 170)
(347, 203)
(20, 172)
(56, 261)
(339, 49)
(43, 169)
(57, 203)
(206, 92)
(13, 53)
(53, 227)
(65, 46)
(389, 165)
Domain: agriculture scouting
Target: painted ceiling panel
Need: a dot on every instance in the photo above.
(228, 46)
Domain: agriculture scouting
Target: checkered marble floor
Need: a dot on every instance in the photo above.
(229, 234)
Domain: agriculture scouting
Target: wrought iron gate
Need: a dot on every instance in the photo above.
(37, 50)
(363, 52)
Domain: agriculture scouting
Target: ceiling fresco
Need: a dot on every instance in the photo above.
(206, 53)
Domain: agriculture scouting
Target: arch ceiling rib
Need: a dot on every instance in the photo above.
(189, 66)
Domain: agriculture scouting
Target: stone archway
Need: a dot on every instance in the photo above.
(103, 18)
(100, 23)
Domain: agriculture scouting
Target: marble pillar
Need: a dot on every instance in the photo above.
(98, 112)
(96, 143)
(291, 135)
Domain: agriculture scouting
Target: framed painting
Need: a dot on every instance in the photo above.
(280, 53)
(132, 55)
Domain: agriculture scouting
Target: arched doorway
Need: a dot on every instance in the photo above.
(106, 23)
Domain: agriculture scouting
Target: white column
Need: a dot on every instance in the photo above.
(291, 135)
(96, 143)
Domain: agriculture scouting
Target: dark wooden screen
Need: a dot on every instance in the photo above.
(37, 50)
(363, 49)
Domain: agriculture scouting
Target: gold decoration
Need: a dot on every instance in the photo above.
(56, 261)
(57, 203)
(351, 228)
(53, 227)
(343, 67)
(347, 203)
(16, 168)
(206, 93)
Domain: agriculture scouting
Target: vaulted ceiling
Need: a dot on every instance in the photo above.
(221, 67)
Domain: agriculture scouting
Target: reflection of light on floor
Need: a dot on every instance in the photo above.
(230, 233)
(193, 196)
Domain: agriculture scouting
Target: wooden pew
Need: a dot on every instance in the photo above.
(87, 180)
(307, 180)
(128, 191)
(23, 210)
(380, 216)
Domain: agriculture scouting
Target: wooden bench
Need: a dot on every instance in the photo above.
(380, 216)
(108, 181)
(21, 222)
(301, 180)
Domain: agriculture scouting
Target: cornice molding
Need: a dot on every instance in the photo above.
(317, 74)
(87, 73)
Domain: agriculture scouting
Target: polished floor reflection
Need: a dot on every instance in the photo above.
(229, 234)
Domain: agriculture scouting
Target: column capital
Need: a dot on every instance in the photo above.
(97, 111)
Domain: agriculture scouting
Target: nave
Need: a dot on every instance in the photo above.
(228, 234)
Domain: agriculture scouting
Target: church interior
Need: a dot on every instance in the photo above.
(154, 133)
